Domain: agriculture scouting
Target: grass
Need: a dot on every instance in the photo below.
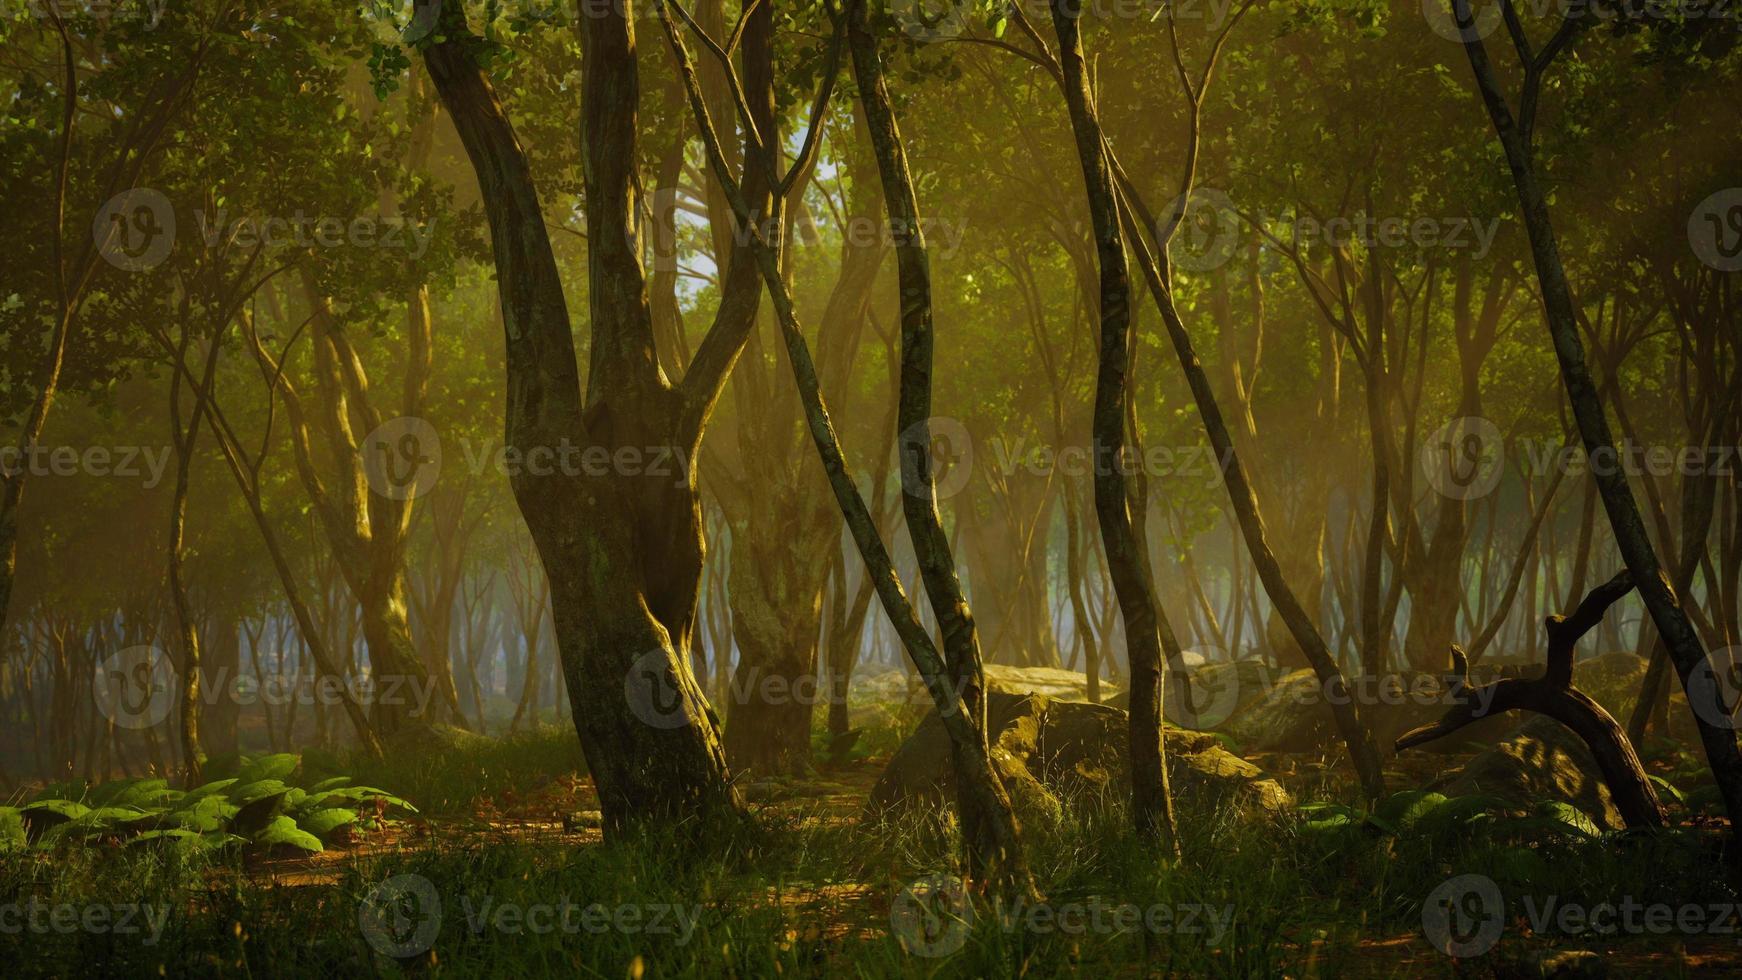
(449, 772)
(797, 896)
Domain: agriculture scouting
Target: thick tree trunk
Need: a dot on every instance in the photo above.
(623, 552)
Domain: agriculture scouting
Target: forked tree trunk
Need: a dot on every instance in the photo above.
(623, 551)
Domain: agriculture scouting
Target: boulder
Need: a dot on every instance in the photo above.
(1048, 748)
(1540, 761)
(1053, 682)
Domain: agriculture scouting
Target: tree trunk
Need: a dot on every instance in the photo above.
(623, 551)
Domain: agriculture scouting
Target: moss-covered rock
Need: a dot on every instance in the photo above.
(1050, 748)
(1541, 761)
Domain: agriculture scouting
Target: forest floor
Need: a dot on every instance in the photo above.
(815, 890)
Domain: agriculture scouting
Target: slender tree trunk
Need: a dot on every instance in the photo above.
(1648, 574)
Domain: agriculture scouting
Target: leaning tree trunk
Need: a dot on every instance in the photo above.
(1151, 801)
(989, 826)
(1661, 600)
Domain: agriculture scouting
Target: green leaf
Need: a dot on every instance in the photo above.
(277, 767)
(210, 789)
(1404, 810)
(359, 794)
(1668, 789)
(207, 814)
(258, 813)
(244, 793)
(324, 822)
(1570, 815)
(131, 792)
(283, 832)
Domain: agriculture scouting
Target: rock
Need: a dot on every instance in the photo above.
(1218, 692)
(1540, 761)
(1049, 748)
(1053, 682)
(888, 685)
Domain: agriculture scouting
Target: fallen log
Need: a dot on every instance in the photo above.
(1554, 695)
